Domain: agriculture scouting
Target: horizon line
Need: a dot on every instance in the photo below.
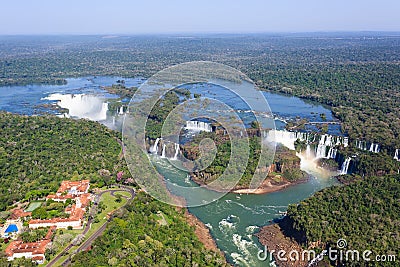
(204, 33)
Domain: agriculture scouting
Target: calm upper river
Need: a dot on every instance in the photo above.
(232, 219)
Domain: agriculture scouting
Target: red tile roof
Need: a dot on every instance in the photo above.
(33, 247)
(19, 213)
(56, 197)
(81, 186)
(38, 258)
(76, 213)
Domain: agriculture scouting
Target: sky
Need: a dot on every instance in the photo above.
(196, 16)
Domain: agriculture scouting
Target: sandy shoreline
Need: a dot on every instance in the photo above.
(203, 233)
(266, 187)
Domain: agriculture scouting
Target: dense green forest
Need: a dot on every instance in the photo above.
(148, 233)
(285, 162)
(365, 97)
(366, 214)
(38, 152)
(358, 75)
(355, 73)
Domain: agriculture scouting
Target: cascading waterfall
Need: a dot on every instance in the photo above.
(85, 106)
(361, 145)
(345, 141)
(121, 110)
(397, 155)
(198, 126)
(154, 148)
(176, 152)
(113, 120)
(308, 152)
(345, 166)
(321, 148)
(330, 141)
(332, 153)
(283, 137)
(163, 151)
(103, 112)
(374, 148)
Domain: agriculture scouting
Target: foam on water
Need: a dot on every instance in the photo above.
(246, 247)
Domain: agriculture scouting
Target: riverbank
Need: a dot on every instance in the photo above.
(267, 187)
(272, 237)
(202, 233)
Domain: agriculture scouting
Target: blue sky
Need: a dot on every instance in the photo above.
(191, 16)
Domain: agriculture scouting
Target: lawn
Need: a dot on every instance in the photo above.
(33, 205)
(109, 201)
(110, 205)
(124, 194)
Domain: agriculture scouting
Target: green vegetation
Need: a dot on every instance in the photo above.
(285, 163)
(36, 153)
(33, 205)
(366, 214)
(21, 262)
(33, 235)
(121, 90)
(51, 209)
(159, 113)
(358, 77)
(136, 238)
(222, 157)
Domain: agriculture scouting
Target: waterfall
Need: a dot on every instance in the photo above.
(332, 153)
(345, 166)
(345, 141)
(121, 110)
(362, 145)
(283, 137)
(321, 150)
(176, 152)
(113, 121)
(397, 155)
(90, 107)
(324, 141)
(308, 152)
(328, 140)
(338, 141)
(154, 148)
(163, 151)
(302, 136)
(374, 148)
(198, 126)
(359, 145)
(371, 148)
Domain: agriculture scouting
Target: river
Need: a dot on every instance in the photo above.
(233, 219)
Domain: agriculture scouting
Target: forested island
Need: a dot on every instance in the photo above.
(356, 74)
(283, 172)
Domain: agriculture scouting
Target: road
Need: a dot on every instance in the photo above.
(92, 213)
